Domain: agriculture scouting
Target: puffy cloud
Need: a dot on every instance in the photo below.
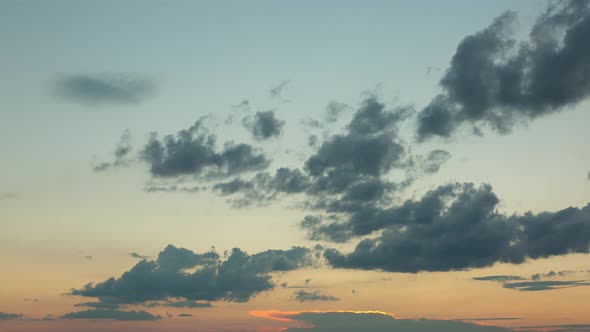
(347, 177)
(456, 227)
(105, 89)
(305, 296)
(181, 273)
(264, 125)
(496, 81)
(112, 314)
(193, 152)
(345, 321)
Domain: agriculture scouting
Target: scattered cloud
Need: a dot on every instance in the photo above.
(187, 304)
(193, 152)
(264, 125)
(279, 89)
(8, 316)
(8, 196)
(334, 110)
(499, 278)
(542, 285)
(184, 315)
(496, 81)
(313, 296)
(105, 89)
(113, 314)
(99, 305)
(137, 255)
(122, 154)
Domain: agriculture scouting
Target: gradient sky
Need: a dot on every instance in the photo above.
(84, 197)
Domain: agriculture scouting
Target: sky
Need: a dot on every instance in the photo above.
(294, 166)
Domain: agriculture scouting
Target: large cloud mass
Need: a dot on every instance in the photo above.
(181, 273)
(495, 81)
(457, 226)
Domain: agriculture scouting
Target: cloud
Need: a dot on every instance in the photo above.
(434, 160)
(7, 196)
(193, 152)
(137, 255)
(184, 315)
(122, 154)
(495, 81)
(277, 91)
(563, 328)
(334, 110)
(347, 177)
(98, 305)
(544, 285)
(112, 314)
(8, 316)
(187, 304)
(550, 274)
(264, 125)
(456, 227)
(179, 273)
(499, 278)
(105, 89)
(305, 296)
(345, 321)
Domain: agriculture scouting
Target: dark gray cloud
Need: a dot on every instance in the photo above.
(113, 314)
(313, 296)
(495, 81)
(543, 285)
(264, 125)
(193, 152)
(456, 227)
(499, 278)
(182, 274)
(105, 89)
(347, 177)
(379, 322)
(264, 186)
(184, 315)
(122, 154)
(8, 316)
